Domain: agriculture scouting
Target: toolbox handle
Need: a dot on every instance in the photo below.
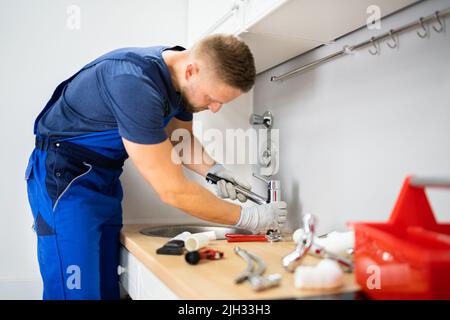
(434, 182)
(412, 207)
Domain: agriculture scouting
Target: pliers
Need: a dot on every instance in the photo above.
(271, 236)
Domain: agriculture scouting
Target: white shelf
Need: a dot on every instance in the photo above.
(278, 30)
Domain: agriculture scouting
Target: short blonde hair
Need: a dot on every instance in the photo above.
(230, 58)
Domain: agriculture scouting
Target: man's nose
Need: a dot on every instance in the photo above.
(214, 107)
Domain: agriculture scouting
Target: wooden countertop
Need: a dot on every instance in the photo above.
(215, 279)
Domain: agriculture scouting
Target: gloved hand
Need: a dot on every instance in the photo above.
(263, 217)
(226, 189)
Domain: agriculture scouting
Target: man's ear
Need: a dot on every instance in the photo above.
(191, 70)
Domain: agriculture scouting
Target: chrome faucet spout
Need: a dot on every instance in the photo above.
(273, 189)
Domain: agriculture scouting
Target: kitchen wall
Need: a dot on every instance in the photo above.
(39, 49)
(352, 129)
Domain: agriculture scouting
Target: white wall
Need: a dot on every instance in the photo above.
(352, 129)
(37, 52)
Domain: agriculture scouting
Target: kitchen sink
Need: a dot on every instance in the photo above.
(170, 231)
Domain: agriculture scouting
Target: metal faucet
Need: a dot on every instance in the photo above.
(293, 259)
(306, 246)
(273, 190)
(273, 195)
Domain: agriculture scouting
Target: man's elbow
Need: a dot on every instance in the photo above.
(174, 197)
(170, 197)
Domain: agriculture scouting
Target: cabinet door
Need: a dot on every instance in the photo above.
(207, 17)
(151, 288)
(129, 275)
(139, 282)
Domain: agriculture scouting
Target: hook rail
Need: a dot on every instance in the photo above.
(374, 41)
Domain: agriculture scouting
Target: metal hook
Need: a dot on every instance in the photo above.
(374, 46)
(395, 44)
(441, 26)
(347, 49)
(425, 34)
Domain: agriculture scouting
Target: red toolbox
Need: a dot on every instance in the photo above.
(409, 256)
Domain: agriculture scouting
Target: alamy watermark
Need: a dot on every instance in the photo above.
(373, 281)
(232, 146)
(74, 279)
(373, 21)
(73, 21)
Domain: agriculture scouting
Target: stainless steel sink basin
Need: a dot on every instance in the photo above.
(170, 231)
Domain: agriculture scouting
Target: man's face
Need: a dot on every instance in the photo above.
(204, 91)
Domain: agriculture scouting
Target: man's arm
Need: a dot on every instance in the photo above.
(207, 162)
(154, 162)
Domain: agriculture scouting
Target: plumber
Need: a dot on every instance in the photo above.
(125, 104)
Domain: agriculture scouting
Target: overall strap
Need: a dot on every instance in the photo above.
(121, 55)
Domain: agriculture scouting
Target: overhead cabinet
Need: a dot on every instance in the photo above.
(277, 30)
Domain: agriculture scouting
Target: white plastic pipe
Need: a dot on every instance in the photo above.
(182, 236)
(211, 235)
(196, 241)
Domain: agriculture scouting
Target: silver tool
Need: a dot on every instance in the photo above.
(274, 236)
(273, 189)
(255, 277)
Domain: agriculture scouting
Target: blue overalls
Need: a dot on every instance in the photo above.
(75, 196)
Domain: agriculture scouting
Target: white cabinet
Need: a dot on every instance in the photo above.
(277, 30)
(254, 10)
(213, 16)
(129, 273)
(139, 282)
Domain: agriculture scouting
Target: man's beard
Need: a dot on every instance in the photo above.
(188, 106)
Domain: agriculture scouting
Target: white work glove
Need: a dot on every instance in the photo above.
(263, 217)
(225, 189)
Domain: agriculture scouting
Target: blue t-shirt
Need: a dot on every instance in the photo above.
(116, 94)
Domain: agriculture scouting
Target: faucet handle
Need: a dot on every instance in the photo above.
(309, 228)
(309, 223)
(270, 182)
(293, 259)
(260, 178)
